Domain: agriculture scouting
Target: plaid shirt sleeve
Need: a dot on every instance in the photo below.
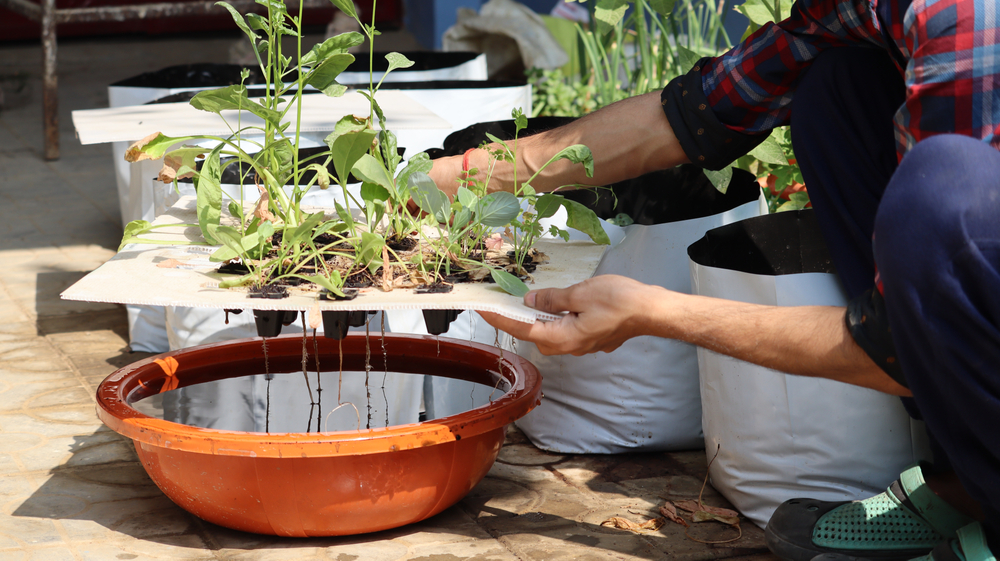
(950, 50)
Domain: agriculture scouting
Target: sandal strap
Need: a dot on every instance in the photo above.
(920, 499)
(973, 544)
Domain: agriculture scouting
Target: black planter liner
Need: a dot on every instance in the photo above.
(208, 75)
(437, 321)
(269, 322)
(336, 324)
(785, 243)
(681, 193)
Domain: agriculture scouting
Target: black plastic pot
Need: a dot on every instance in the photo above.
(269, 322)
(437, 321)
(681, 193)
(785, 243)
(336, 324)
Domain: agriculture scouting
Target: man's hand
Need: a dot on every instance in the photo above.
(603, 312)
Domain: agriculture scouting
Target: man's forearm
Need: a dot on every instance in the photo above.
(627, 139)
(805, 340)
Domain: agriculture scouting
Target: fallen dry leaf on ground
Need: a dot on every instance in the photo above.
(169, 264)
(626, 524)
(694, 507)
(670, 513)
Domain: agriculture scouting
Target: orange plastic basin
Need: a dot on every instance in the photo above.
(319, 484)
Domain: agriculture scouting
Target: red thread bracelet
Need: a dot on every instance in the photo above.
(465, 161)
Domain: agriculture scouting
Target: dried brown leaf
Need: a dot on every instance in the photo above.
(386, 270)
(495, 241)
(653, 524)
(668, 511)
(135, 153)
(692, 506)
(261, 210)
(706, 516)
(622, 523)
(168, 173)
(169, 264)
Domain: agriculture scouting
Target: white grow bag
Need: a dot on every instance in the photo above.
(781, 436)
(644, 395)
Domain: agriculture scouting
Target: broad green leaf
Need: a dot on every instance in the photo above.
(235, 210)
(662, 7)
(345, 215)
(258, 22)
(232, 98)
(770, 151)
(397, 60)
(347, 149)
(466, 197)
(547, 205)
(133, 230)
(419, 162)
(152, 147)
(370, 170)
(578, 154)
(208, 185)
(371, 192)
(462, 217)
(346, 6)
(688, 58)
(229, 238)
(335, 90)
(608, 14)
(325, 73)
(265, 229)
(429, 198)
(346, 124)
(720, 179)
(581, 218)
(338, 44)
(497, 209)
(303, 232)
(511, 284)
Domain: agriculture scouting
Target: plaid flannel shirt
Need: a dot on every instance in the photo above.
(947, 50)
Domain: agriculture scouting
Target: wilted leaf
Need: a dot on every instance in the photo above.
(180, 158)
(261, 210)
(578, 154)
(581, 218)
(626, 524)
(169, 264)
(152, 147)
(494, 241)
(705, 516)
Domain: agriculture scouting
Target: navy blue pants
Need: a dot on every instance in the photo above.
(935, 221)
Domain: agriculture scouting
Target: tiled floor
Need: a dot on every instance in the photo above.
(71, 489)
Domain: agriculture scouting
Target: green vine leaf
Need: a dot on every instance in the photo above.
(347, 149)
(232, 98)
(133, 230)
(688, 58)
(608, 14)
(510, 283)
(578, 154)
(429, 198)
(770, 151)
(324, 76)
(662, 7)
(397, 60)
(346, 6)
(370, 170)
(547, 205)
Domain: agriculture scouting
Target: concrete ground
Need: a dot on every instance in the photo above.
(70, 489)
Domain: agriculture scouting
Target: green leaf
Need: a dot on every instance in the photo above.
(371, 192)
(346, 6)
(208, 185)
(375, 107)
(232, 98)
(338, 44)
(578, 154)
(370, 170)
(511, 284)
(235, 210)
(133, 230)
(688, 58)
(344, 214)
(720, 179)
(429, 198)
(466, 197)
(796, 201)
(520, 120)
(240, 281)
(608, 14)
(303, 232)
(497, 209)
(419, 162)
(662, 7)
(770, 151)
(333, 284)
(233, 245)
(547, 205)
(240, 22)
(397, 60)
(324, 75)
(347, 149)
(346, 124)
(581, 218)
(370, 253)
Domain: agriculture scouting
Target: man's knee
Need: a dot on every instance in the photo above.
(945, 192)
